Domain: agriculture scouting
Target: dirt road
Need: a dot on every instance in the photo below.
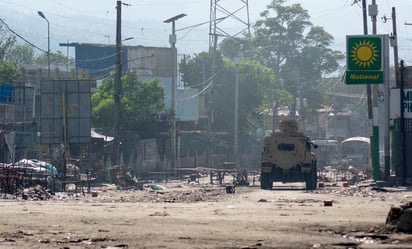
(205, 216)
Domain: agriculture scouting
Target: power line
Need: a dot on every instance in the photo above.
(96, 59)
(21, 37)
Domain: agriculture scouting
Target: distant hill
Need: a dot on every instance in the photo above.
(88, 29)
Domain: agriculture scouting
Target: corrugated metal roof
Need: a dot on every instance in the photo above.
(95, 134)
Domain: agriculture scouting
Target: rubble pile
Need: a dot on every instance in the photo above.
(366, 188)
(350, 175)
(180, 196)
(35, 193)
(154, 193)
(400, 218)
(111, 193)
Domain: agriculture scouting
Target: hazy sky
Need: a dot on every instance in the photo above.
(143, 19)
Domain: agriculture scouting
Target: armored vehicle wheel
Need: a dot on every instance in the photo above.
(266, 181)
(311, 179)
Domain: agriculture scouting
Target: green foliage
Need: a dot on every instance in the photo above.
(6, 42)
(8, 72)
(196, 71)
(297, 51)
(140, 101)
(256, 90)
(25, 54)
(57, 58)
(21, 54)
(279, 36)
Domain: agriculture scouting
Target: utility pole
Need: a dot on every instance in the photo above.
(210, 108)
(395, 47)
(236, 117)
(373, 12)
(402, 157)
(394, 44)
(386, 110)
(372, 106)
(368, 87)
(117, 85)
(172, 40)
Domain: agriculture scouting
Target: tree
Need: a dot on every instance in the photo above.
(8, 72)
(299, 53)
(25, 55)
(196, 71)
(6, 42)
(57, 58)
(140, 102)
(13, 55)
(21, 54)
(256, 90)
(279, 36)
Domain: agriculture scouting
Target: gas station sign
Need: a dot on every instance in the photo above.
(364, 60)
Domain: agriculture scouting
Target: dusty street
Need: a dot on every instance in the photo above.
(182, 215)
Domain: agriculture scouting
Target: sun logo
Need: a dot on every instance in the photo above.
(365, 54)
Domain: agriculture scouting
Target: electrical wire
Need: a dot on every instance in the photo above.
(210, 80)
(21, 37)
(96, 59)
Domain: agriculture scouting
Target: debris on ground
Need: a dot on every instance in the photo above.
(36, 193)
(153, 187)
(160, 213)
(400, 218)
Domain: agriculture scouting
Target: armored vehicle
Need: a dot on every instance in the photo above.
(287, 157)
